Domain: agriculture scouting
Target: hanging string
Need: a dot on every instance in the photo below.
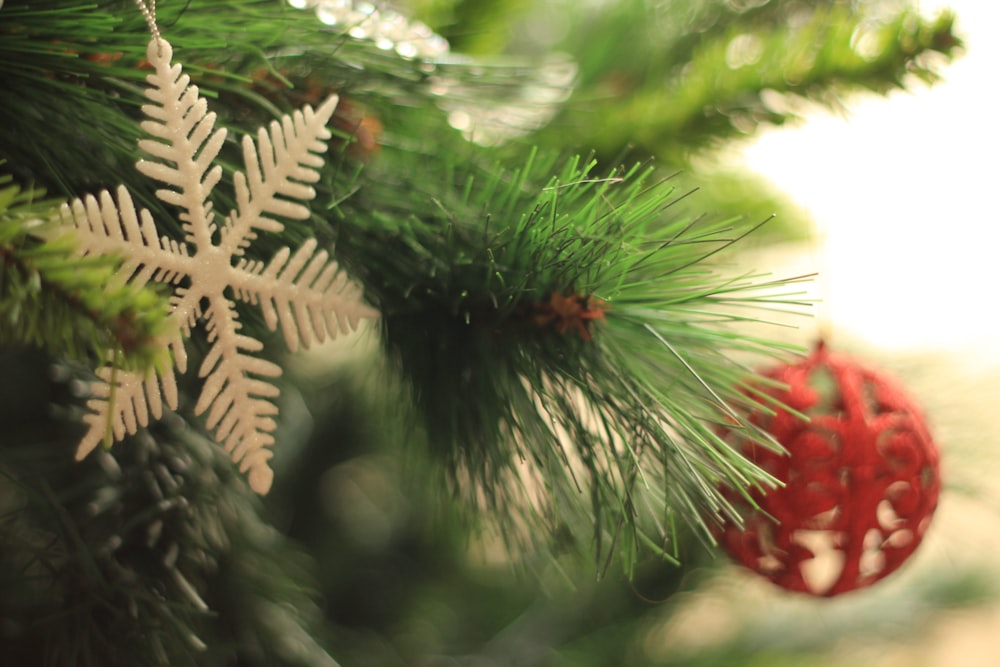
(149, 13)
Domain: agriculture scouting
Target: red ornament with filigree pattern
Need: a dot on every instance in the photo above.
(861, 479)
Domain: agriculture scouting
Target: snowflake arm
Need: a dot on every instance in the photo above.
(282, 163)
(305, 293)
(179, 117)
(238, 402)
(106, 227)
(135, 399)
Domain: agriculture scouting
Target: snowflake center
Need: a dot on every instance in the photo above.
(213, 270)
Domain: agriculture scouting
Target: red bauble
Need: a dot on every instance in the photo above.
(861, 479)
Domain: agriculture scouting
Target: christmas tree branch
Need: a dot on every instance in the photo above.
(159, 555)
(265, 58)
(739, 69)
(55, 299)
(568, 347)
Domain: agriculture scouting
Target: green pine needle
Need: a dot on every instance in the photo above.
(52, 298)
(606, 426)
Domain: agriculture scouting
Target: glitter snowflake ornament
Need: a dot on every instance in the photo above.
(861, 479)
(303, 291)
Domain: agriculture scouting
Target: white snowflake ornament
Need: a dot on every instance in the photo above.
(304, 292)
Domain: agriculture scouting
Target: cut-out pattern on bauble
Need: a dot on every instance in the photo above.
(861, 479)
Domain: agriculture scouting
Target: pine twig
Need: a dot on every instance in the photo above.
(569, 349)
(53, 298)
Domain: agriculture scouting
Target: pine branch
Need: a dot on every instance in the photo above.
(156, 554)
(53, 298)
(740, 70)
(569, 348)
(73, 67)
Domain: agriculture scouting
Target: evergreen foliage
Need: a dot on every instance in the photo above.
(157, 555)
(559, 337)
(682, 80)
(53, 298)
(606, 407)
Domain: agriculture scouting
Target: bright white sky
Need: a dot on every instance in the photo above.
(906, 191)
